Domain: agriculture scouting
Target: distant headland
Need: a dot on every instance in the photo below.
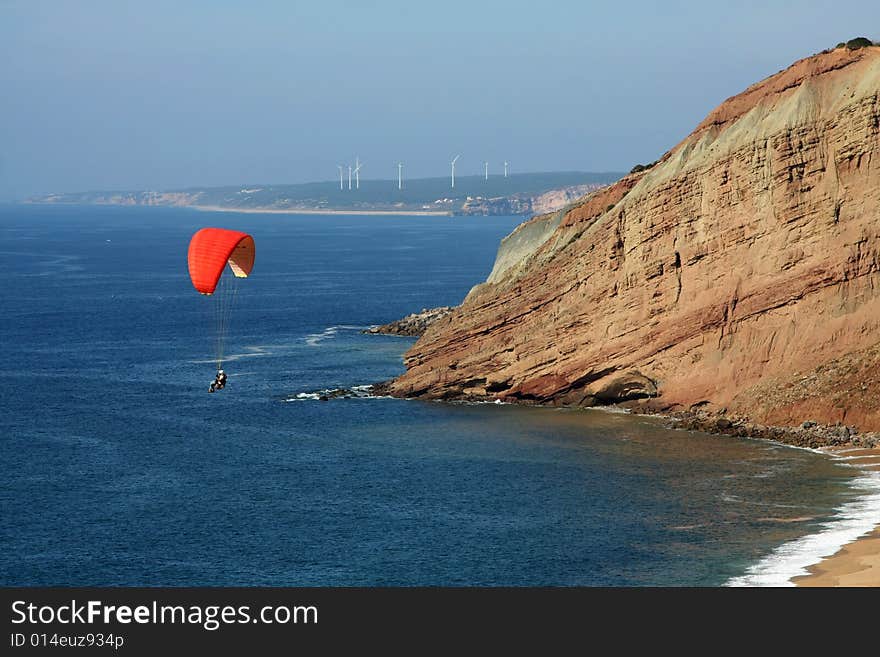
(515, 194)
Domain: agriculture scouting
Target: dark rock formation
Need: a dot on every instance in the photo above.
(808, 434)
(412, 325)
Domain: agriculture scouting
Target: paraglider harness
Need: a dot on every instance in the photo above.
(219, 382)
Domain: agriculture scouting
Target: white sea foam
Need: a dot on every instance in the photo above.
(851, 521)
(303, 396)
(365, 392)
(314, 339)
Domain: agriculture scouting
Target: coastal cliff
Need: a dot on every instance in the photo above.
(740, 273)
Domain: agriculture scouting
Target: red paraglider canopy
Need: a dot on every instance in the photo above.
(209, 251)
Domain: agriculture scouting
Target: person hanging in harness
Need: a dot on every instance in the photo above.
(219, 382)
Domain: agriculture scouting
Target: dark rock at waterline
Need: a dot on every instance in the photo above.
(358, 392)
(380, 389)
(412, 325)
(337, 393)
(808, 434)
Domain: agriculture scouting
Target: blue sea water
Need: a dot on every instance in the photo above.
(119, 468)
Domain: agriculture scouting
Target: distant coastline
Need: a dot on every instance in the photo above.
(523, 194)
(353, 211)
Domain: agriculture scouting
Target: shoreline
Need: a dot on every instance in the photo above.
(844, 550)
(855, 564)
(838, 552)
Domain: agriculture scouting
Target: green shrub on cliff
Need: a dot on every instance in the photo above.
(858, 42)
(643, 167)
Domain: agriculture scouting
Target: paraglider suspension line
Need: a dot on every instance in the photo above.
(224, 301)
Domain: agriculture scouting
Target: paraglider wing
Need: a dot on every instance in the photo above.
(210, 249)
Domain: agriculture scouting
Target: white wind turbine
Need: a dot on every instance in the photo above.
(357, 177)
(453, 170)
(339, 166)
(400, 175)
(349, 177)
(486, 166)
(505, 168)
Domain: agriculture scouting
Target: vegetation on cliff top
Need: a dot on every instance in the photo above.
(643, 167)
(855, 44)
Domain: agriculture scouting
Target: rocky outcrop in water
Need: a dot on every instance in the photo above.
(412, 325)
(741, 271)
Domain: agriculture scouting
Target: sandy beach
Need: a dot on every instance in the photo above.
(403, 213)
(857, 563)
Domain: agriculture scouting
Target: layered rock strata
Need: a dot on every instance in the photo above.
(739, 273)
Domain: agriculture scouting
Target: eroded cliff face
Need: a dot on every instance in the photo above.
(741, 272)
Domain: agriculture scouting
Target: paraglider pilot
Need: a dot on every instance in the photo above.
(219, 382)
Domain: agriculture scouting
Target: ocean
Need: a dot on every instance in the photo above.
(120, 469)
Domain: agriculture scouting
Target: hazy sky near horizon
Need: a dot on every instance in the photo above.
(120, 94)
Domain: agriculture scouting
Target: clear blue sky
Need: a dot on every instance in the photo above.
(119, 94)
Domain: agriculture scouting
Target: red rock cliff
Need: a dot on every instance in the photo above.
(742, 271)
